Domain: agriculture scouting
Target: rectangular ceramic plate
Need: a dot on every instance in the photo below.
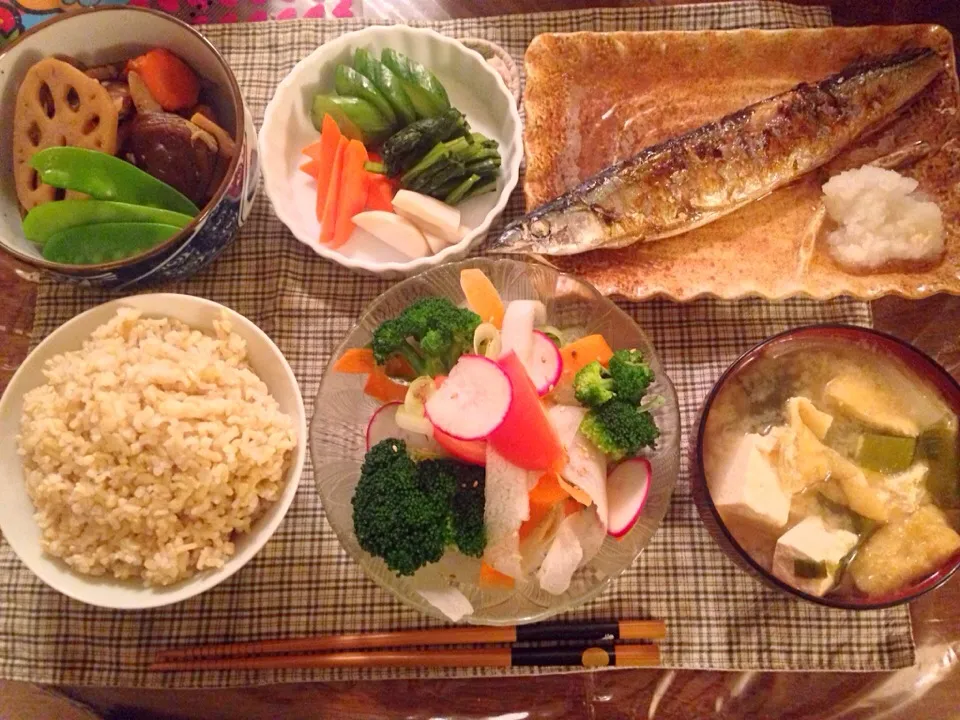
(592, 99)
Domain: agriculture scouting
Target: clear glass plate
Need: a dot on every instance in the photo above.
(341, 413)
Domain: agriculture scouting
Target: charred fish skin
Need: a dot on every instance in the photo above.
(695, 178)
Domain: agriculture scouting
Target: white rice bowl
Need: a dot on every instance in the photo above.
(150, 448)
(882, 220)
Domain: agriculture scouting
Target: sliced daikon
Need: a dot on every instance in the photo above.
(506, 507)
(395, 231)
(473, 400)
(586, 466)
(627, 489)
(516, 333)
(428, 214)
(435, 243)
(562, 560)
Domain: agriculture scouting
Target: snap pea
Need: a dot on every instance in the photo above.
(350, 83)
(105, 177)
(356, 118)
(426, 92)
(387, 83)
(105, 242)
(46, 220)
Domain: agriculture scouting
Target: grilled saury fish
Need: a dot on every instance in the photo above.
(709, 172)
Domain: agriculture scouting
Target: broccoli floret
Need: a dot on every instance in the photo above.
(469, 532)
(392, 516)
(408, 513)
(431, 335)
(619, 429)
(630, 374)
(593, 385)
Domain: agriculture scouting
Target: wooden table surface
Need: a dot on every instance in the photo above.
(929, 691)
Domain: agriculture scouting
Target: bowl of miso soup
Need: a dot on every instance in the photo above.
(829, 467)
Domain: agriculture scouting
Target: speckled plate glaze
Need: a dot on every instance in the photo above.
(621, 92)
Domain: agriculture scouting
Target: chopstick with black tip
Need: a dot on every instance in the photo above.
(601, 654)
(587, 631)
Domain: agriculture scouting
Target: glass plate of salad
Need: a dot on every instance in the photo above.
(495, 442)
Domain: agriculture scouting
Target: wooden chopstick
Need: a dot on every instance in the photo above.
(587, 631)
(599, 655)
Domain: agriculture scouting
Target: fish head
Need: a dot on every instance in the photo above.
(553, 230)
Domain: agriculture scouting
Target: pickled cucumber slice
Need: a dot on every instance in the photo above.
(885, 453)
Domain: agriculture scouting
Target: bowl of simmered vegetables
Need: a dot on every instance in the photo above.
(829, 467)
(127, 154)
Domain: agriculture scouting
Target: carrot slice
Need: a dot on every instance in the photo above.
(382, 388)
(311, 168)
(168, 78)
(326, 155)
(548, 490)
(328, 223)
(353, 191)
(583, 352)
(380, 193)
(356, 360)
(315, 149)
(482, 296)
(491, 578)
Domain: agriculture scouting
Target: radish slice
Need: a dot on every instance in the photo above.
(516, 333)
(627, 489)
(383, 425)
(473, 400)
(544, 364)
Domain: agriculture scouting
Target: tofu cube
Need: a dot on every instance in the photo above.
(750, 489)
(810, 545)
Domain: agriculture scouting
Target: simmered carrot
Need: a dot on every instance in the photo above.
(168, 78)
(583, 352)
(380, 192)
(491, 578)
(356, 360)
(482, 296)
(353, 191)
(328, 222)
(311, 168)
(382, 388)
(326, 155)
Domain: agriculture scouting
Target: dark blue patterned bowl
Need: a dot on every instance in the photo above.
(112, 34)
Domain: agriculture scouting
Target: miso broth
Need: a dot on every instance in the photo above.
(835, 466)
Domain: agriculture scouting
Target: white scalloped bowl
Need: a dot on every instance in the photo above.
(473, 86)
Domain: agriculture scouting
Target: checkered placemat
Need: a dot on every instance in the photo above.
(303, 583)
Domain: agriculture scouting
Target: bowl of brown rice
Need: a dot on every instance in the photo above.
(151, 447)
